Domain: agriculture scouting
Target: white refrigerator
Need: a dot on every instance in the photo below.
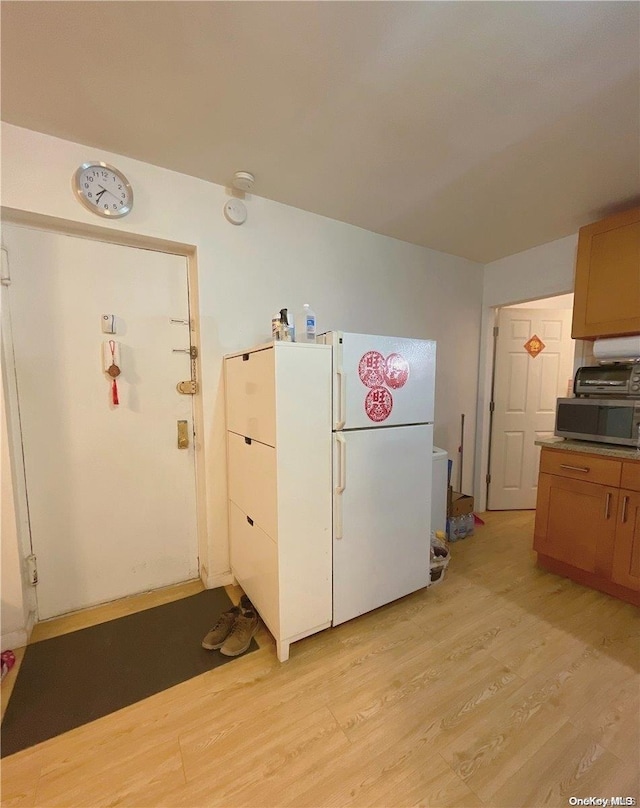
(383, 404)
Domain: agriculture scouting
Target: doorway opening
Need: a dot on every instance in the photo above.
(534, 359)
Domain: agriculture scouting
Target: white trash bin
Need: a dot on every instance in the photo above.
(439, 490)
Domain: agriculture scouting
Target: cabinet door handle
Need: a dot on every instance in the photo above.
(583, 469)
(250, 520)
(625, 502)
(247, 441)
(607, 505)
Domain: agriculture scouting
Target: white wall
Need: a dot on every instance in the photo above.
(541, 272)
(557, 302)
(353, 279)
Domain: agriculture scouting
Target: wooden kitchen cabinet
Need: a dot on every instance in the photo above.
(607, 279)
(587, 527)
(626, 556)
(577, 523)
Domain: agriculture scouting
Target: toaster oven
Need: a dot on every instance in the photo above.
(618, 379)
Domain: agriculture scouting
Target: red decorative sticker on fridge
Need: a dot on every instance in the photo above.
(396, 371)
(371, 369)
(378, 404)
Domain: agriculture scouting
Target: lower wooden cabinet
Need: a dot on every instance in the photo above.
(577, 523)
(626, 552)
(587, 527)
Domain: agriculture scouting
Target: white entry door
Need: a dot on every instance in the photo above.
(111, 497)
(525, 392)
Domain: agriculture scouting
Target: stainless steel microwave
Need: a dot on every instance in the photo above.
(604, 420)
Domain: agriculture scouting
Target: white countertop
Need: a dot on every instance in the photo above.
(605, 449)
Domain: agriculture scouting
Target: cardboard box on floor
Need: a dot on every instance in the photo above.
(458, 504)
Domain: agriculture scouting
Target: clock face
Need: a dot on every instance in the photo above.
(103, 189)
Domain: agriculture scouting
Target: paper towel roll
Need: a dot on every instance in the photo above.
(617, 348)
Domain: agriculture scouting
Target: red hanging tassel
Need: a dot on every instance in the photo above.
(114, 392)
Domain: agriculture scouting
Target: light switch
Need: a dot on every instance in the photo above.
(108, 323)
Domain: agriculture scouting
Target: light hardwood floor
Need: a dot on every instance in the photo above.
(502, 686)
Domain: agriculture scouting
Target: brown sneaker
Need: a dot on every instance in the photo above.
(219, 633)
(240, 635)
(246, 605)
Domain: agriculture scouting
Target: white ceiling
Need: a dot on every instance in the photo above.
(479, 129)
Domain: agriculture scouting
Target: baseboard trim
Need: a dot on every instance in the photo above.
(13, 640)
(220, 579)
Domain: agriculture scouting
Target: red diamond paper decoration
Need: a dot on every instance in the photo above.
(534, 346)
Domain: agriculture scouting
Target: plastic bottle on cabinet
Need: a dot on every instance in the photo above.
(284, 331)
(275, 326)
(306, 325)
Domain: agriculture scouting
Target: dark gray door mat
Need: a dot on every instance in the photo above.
(70, 680)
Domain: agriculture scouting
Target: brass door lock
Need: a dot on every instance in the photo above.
(183, 434)
(188, 388)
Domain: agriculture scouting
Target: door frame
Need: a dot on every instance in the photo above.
(494, 364)
(486, 372)
(37, 221)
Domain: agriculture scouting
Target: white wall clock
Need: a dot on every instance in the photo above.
(103, 189)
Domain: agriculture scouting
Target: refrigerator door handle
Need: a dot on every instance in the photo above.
(342, 464)
(342, 483)
(342, 396)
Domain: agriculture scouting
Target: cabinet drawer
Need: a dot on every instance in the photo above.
(630, 476)
(577, 466)
(254, 562)
(252, 481)
(250, 395)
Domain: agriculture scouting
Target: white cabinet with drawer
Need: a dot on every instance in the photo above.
(278, 408)
(250, 392)
(251, 473)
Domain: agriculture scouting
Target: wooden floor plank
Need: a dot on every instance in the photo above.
(570, 764)
(130, 772)
(504, 685)
(20, 775)
(614, 721)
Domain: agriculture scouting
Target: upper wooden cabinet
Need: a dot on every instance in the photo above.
(607, 282)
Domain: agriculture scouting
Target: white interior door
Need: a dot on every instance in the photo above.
(382, 513)
(525, 392)
(111, 496)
